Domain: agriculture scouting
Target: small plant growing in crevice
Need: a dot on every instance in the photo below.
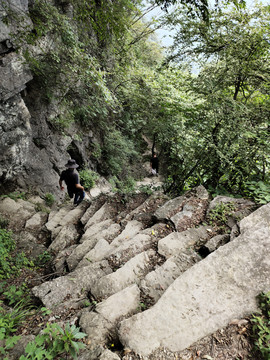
(261, 326)
(49, 199)
(15, 195)
(220, 213)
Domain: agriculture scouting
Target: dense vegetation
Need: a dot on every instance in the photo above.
(100, 63)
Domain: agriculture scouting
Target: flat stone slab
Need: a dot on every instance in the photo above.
(209, 295)
(130, 248)
(131, 229)
(156, 282)
(54, 221)
(131, 273)
(121, 304)
(67, 236)
(95, 230)
(36, 221)
(176, 242)
(100, 324)
(73, 286)
(102, 214)
(101, 250)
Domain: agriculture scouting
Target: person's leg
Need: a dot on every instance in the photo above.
(76, 198)
(79, 196)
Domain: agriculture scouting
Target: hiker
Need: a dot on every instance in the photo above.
(154, 164)
(71, 178)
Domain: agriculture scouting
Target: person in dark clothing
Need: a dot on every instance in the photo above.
(154, 162)
(72, 180)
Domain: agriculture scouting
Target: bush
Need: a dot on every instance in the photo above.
(49, 199)
(88, 178)
(54, 341)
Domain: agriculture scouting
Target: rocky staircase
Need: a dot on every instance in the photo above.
(142, 267)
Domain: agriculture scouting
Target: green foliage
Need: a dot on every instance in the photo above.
(14, 295)
(220, 213)
(49, 199)
(3, 222)
(10, 264)
(257, 190)
(146, 189)
(11, 320)
(41, 208)
(45, 311)
(88, 178)
(15, 195)
(7, 245)
(124, 187)
(43, 259)
(261, 326)
(119, 154)
(54, 341)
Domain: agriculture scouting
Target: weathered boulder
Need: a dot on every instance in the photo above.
(132, 228)
(36, 221)
(67, 236)
(103, 321)
(17, 212)
(157, 281)
(215, 242)
(175, 243)
(185, 211)
(71, 288)
(109, 355)
(209, 295)
(130, 273)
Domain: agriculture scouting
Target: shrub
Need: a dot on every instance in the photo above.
(88, 178)
(49, 199)
(54, 341)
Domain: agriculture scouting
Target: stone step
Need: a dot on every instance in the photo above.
(55, 219)
(132, 228)
(73, 288)
(156, 282)
(101, 323)
(209, 295)
(103, 231)
(67, 236)
(130, 273)
(99, 216)
(177, 242)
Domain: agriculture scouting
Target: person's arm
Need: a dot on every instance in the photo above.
(61, 185)
(79, 186)
(77, 182)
